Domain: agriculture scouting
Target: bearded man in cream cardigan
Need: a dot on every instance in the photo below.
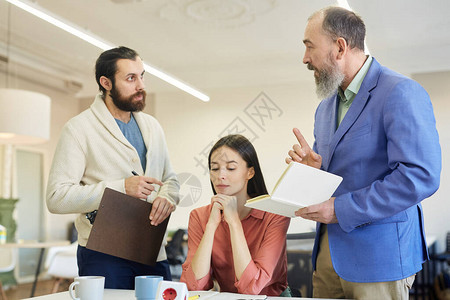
(100, 148)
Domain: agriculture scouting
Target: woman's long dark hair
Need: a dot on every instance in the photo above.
(256, 185)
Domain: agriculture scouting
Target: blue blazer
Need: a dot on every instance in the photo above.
(387, 150)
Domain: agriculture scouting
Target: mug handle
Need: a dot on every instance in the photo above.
(72, 289)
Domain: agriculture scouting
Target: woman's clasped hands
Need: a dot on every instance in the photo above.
(224, 208)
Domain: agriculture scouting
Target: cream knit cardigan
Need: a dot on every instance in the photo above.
(93, 154)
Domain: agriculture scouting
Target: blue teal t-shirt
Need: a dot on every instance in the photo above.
(133, 134)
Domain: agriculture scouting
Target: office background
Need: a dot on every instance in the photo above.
(246, 55)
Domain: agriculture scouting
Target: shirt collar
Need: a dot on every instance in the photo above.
(355, 85)
(256, 213)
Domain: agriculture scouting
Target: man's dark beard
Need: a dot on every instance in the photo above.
(127, 103)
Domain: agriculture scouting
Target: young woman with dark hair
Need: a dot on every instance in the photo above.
(243, 249)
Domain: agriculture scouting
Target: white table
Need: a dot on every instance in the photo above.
(111, 294)
(36, 245)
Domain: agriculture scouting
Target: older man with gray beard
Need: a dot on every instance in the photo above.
(376, 129)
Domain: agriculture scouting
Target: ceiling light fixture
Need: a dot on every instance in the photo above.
(98, 42)
(344, 4)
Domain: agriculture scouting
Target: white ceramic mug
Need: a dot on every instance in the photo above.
(87, 288)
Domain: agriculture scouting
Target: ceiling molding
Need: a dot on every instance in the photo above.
(40, 54)
(22, 65)
(126, 1)
(218, 13)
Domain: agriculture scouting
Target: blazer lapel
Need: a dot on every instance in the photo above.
(328, 127)
(355, 110)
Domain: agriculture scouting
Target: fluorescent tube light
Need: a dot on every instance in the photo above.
(173, 81)
(344, 4)
(95, 41)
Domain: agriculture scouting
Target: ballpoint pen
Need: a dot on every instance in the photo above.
(136, 174)
(194, 297)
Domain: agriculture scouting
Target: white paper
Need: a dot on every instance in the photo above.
(304, 185)
(299, 186)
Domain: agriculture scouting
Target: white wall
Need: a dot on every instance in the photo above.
(190, 125)
(436, 208)
(63, 107)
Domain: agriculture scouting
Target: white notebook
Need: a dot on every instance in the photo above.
(299, 186)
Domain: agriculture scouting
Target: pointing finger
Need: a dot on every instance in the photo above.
(301, 139)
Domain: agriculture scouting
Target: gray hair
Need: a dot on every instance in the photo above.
(340, 22)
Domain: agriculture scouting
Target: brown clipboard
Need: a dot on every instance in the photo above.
(122, 228)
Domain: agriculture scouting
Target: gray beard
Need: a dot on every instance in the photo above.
(328, 82)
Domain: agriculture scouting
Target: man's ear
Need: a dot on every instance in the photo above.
(342, 47)
(251, 173)
(106, 83)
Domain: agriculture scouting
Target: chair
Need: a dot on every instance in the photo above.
(7, 263)
(445, 256)
(299, 252)
(176, 250)
(61, 263)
